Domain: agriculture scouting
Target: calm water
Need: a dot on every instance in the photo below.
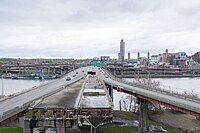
(176, 84)
(180, 85)
(189, 85)
(12, 86)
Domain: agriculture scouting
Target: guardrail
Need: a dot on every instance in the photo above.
(156, 89)
(14, 111)
(78, 101)
(18, 109)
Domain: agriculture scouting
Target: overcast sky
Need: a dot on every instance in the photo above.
(88, 28)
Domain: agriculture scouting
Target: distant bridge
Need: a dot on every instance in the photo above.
(49, 68)
(130, 71)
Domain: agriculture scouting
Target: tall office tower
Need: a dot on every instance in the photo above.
(148, 56)
(122, 51)
(138, 56)
(129, 56)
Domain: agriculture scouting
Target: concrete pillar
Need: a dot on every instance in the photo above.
(111, 92)
(48, 70)
(22, 122)
(26, 128)
(114, 71)
(24, 70)
(121, 71)
(54, 70)
(28, 70)
(61, 71)
(64, 125)
(143, 116)
(60, 127)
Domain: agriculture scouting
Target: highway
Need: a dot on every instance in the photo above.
(165, 98)
(21, 101)
(43, 90)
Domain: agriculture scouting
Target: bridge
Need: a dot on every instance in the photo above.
(58, 68)
(65, 102)
(16, 105)
(183, 103)
(171, 72)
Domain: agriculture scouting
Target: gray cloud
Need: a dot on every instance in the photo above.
(77, 28)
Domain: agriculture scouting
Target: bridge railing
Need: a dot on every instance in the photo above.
(158, 88)
(16, 110)
(163, 90)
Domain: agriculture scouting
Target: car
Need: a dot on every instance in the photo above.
(74, 75)
(76, 72)
(68, 79)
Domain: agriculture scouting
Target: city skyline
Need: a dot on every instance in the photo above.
(83, 29)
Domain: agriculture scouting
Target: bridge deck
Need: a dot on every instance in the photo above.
(95, 94)
(65, 98)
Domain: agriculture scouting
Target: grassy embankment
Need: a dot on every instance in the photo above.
(11, 130)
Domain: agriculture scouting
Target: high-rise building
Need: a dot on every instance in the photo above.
(148, 58)
(138, 56)
(122, 51)
(129, 56)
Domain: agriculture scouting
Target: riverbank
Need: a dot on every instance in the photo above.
(156, 76)
(174, 122)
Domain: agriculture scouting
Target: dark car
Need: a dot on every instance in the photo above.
(68, 79)
(74, 75)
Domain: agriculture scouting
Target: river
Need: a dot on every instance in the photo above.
(11, 86)
(189, 85)
(180, 85)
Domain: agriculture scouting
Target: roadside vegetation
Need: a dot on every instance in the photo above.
(37, 114)
(11, 130)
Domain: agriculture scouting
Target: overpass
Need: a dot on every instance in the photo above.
(154, 71)
(72, 103)
(186, 104)
(11, 107)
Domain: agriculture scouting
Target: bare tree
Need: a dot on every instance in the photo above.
(127, 103)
